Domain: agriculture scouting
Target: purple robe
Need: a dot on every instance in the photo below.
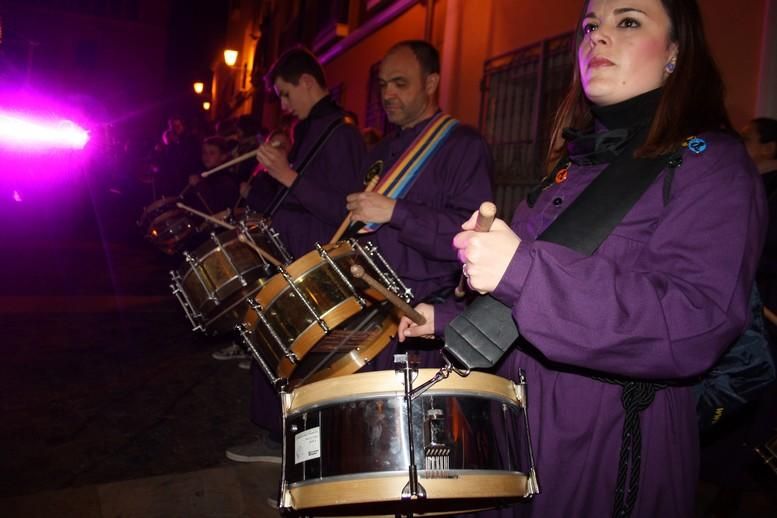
(662, 298)
(315, 207)
(311, 212)
(417, 240)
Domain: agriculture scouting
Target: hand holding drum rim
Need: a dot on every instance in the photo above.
(485, 256)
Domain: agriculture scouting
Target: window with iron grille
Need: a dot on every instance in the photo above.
(520, 92)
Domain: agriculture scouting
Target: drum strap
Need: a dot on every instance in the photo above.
(303, 165)
(406, 170)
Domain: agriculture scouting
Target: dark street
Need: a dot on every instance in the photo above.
(102, 379)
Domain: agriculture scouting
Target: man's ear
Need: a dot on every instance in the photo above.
(432, 84)
(307, 80)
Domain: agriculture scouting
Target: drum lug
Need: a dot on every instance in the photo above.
(520, 390)
(193, 316)
(532, 486)
(392, 280)
(223, 249)
(304, 299)
(257, 307)
(195, 266)
(242, 330)
(341, 275)
(273, 237)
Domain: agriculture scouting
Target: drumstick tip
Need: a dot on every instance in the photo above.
(488, 209)
(357, 271)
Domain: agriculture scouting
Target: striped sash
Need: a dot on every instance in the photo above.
(400, 178)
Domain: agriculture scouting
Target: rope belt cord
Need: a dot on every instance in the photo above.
(636, 397)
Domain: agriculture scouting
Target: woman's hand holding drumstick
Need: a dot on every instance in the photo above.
(485, 219)
(485, 255)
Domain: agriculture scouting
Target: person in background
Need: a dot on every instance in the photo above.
(728, 460)
(218, 191)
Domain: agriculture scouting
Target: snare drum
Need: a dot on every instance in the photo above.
(314, 320)
(220, 274)
(166, 226)
(347, 448)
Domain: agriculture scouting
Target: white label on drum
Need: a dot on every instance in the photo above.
(307, 445)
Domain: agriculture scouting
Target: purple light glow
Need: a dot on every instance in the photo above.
(23, 131)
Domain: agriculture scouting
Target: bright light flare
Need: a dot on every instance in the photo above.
(21, 131)
(199, 86)
(206, 105)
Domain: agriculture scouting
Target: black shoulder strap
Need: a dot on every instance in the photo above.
(484, 325)
(603, 204)
(328, 131)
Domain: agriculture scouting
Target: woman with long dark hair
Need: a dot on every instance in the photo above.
(656, 301)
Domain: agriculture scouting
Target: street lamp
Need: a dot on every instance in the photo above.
(206, 105)
(199, 86)
(230, 57)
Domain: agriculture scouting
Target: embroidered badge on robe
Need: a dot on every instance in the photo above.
(695, 144)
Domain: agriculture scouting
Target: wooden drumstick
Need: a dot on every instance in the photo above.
(358, 272)
(485, 219)
(204, 216)
(258, 249)
(236, 160)
(230, 163)
(347, 221)
(241, 237)
(259, 169)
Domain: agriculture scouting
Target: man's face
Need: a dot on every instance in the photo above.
(295, 99)
(212, 156)
(406, 93)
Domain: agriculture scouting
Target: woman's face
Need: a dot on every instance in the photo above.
(625, 50)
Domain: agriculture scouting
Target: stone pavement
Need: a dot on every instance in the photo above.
(111, 406)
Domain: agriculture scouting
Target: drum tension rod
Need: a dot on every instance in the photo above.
(413, 488)
(308, 305)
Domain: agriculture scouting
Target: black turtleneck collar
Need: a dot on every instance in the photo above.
(637, 111)
(619, 128)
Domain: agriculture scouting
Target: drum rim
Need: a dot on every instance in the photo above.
(365, 385)
(385, 489)
(454, 475)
